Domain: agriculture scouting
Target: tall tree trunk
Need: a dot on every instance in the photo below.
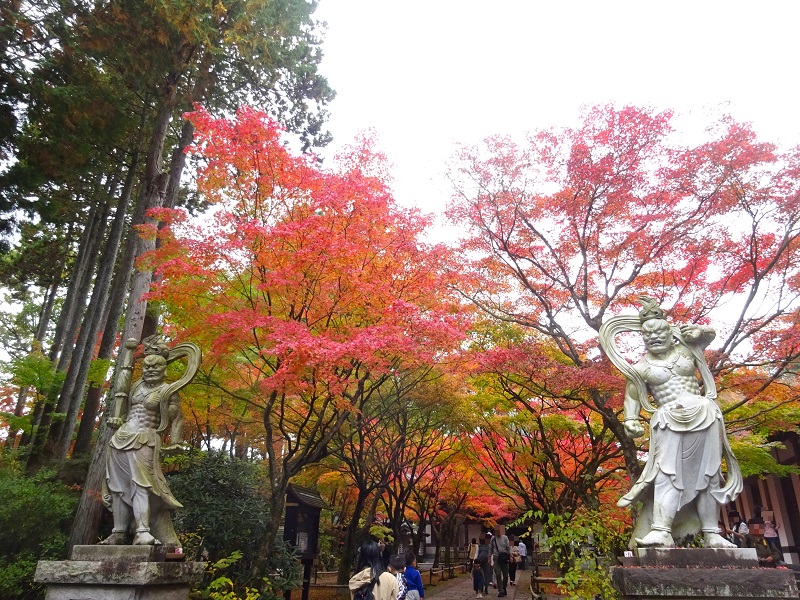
(79, 366)
(177, 164)
(437, 533)
(47, 309)
(419, 537)
(153, 190)
(69, 325)
(119, 286)
(350, 540)
(70, 301)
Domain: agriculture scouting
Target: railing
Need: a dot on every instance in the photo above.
(317, 573)
(445, 573)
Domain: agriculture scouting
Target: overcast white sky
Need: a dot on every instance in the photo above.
(428, 74)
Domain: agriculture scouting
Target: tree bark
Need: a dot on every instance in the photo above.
(79, 366)
(86, 525)
(72, 352)
(70, 301)
(152, 190)
(68, 322)
(83, 440)
(351, 535)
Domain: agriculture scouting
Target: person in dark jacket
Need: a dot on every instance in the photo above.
(483, 557)
(477, 579)
(768, 554)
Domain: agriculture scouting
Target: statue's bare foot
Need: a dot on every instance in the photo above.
(117, 538)
(715, 540)
(657, 539)
(144, 538)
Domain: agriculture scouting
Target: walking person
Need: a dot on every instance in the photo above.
(397, 566)
(478, 582)
(491, 581)
(484, 557)
(472, 552)
(513, 563)
(523, 553)
(501, 556)
(415, 589)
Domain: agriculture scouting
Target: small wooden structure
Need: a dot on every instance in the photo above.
(301, 528)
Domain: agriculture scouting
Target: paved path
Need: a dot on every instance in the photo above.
(460, 588)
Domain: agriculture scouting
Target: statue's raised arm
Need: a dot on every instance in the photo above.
(682, 484)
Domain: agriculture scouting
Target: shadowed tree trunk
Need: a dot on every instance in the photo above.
(68, 322)
(73, 387)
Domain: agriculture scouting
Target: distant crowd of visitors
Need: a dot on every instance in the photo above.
(381, 575)
(495, 561)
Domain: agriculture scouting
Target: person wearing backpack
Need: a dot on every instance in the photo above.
(472, 552)
(397, 566)
(501, 555)
(371, 582)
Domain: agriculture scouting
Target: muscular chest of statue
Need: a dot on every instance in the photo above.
(145, 407)
(671, 377)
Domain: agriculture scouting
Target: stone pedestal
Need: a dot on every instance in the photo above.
(700, 574)
(118, 573)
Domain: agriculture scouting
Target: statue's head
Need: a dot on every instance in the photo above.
(154, 368)
(656, 331)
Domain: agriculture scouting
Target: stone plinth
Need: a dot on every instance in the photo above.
(700, 583)
(697, 557)
(701, 574)
(118, 573)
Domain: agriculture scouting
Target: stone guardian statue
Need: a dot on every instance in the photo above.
(135, 489)
(681, 487)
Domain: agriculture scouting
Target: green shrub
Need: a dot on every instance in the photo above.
(35, 515)
(225, 515)
(583, 547)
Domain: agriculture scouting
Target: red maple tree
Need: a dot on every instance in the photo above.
(307, 289)
(572, 225)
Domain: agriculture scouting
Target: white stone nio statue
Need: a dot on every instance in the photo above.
(682, 485)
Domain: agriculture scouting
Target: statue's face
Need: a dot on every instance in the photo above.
(154, 369)
(657, 336)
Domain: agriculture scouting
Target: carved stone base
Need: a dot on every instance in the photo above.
(701, 574)
(118, 573)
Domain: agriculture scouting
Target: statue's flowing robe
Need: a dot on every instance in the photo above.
(134, 459)
(688, 443)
